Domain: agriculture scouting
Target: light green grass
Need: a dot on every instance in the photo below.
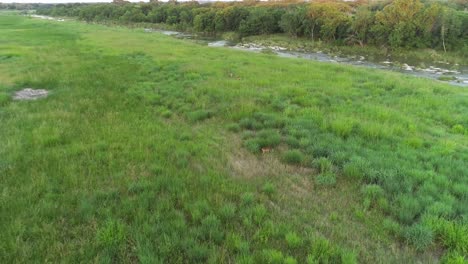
(100, 172)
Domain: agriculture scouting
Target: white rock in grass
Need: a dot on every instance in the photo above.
(30, 94)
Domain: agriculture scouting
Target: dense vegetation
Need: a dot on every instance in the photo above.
(399, 23)
(157, 150)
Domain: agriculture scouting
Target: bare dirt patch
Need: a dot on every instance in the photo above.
(30, 94)
(244, 164)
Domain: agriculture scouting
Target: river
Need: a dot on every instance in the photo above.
(453, 74)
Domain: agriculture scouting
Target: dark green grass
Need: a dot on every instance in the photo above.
(134, 155)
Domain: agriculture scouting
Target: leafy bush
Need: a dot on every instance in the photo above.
(293, 157)
(419, 236)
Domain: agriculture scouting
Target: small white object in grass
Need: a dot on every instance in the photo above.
(30, 94)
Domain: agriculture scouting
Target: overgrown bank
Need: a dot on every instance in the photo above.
(393, 24)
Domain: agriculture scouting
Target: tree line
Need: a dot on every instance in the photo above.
(394, 24)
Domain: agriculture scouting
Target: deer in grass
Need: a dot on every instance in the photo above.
(266, 150)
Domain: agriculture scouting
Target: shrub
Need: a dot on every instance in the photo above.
(293, 157)
(293, 240)
(326, 179)
(419, 236)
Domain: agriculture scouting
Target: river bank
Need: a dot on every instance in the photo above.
(421, 63)
(447, 67)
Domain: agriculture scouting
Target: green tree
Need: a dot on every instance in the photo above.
(292, 22)
(398, 23)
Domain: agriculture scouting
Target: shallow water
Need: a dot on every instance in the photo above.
(455, 74)
(48, 18)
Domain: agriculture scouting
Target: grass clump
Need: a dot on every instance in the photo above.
(419, 236)
(4, 99)
(233, 127)
(324, 252)
(458, 129)
(293, 240)
(326, 179)
(294, 157)
(356, 168)
(111, 236)
(199, 115)
(269, 188)
(272, 256)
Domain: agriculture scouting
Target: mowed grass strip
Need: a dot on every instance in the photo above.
(152, 149)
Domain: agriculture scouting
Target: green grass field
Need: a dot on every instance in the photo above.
(149, 149)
